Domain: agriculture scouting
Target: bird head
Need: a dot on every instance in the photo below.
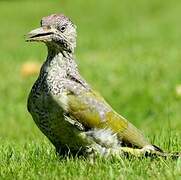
(56, 31)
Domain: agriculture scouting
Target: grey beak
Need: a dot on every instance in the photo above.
(39, 34)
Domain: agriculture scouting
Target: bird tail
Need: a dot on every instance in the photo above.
(134, 136)
(160, 152)
(156, 148)
(149, 151)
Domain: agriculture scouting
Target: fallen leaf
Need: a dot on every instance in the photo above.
(178, 90)
(30, 68)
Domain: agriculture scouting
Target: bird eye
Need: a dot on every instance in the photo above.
(62, 28)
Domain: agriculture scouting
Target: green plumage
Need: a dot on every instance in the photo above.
(85, 109)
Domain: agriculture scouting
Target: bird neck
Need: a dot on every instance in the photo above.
(60, 61)
(54, 50)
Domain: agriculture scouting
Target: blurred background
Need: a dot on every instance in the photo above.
(129, 51)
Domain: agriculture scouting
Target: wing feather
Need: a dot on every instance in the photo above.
(92, 111)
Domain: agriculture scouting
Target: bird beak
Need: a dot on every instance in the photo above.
(40, 34)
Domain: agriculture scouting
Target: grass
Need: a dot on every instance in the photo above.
(130, 52)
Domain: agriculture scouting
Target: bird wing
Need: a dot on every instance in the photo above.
(92, 111)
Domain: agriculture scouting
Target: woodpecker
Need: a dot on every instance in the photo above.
(73, 116)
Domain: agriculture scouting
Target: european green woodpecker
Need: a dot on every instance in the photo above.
(74, 117)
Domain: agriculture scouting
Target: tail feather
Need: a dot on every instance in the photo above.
(156, 148)
(153, 152)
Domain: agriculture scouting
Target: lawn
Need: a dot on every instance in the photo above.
(127, 50)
